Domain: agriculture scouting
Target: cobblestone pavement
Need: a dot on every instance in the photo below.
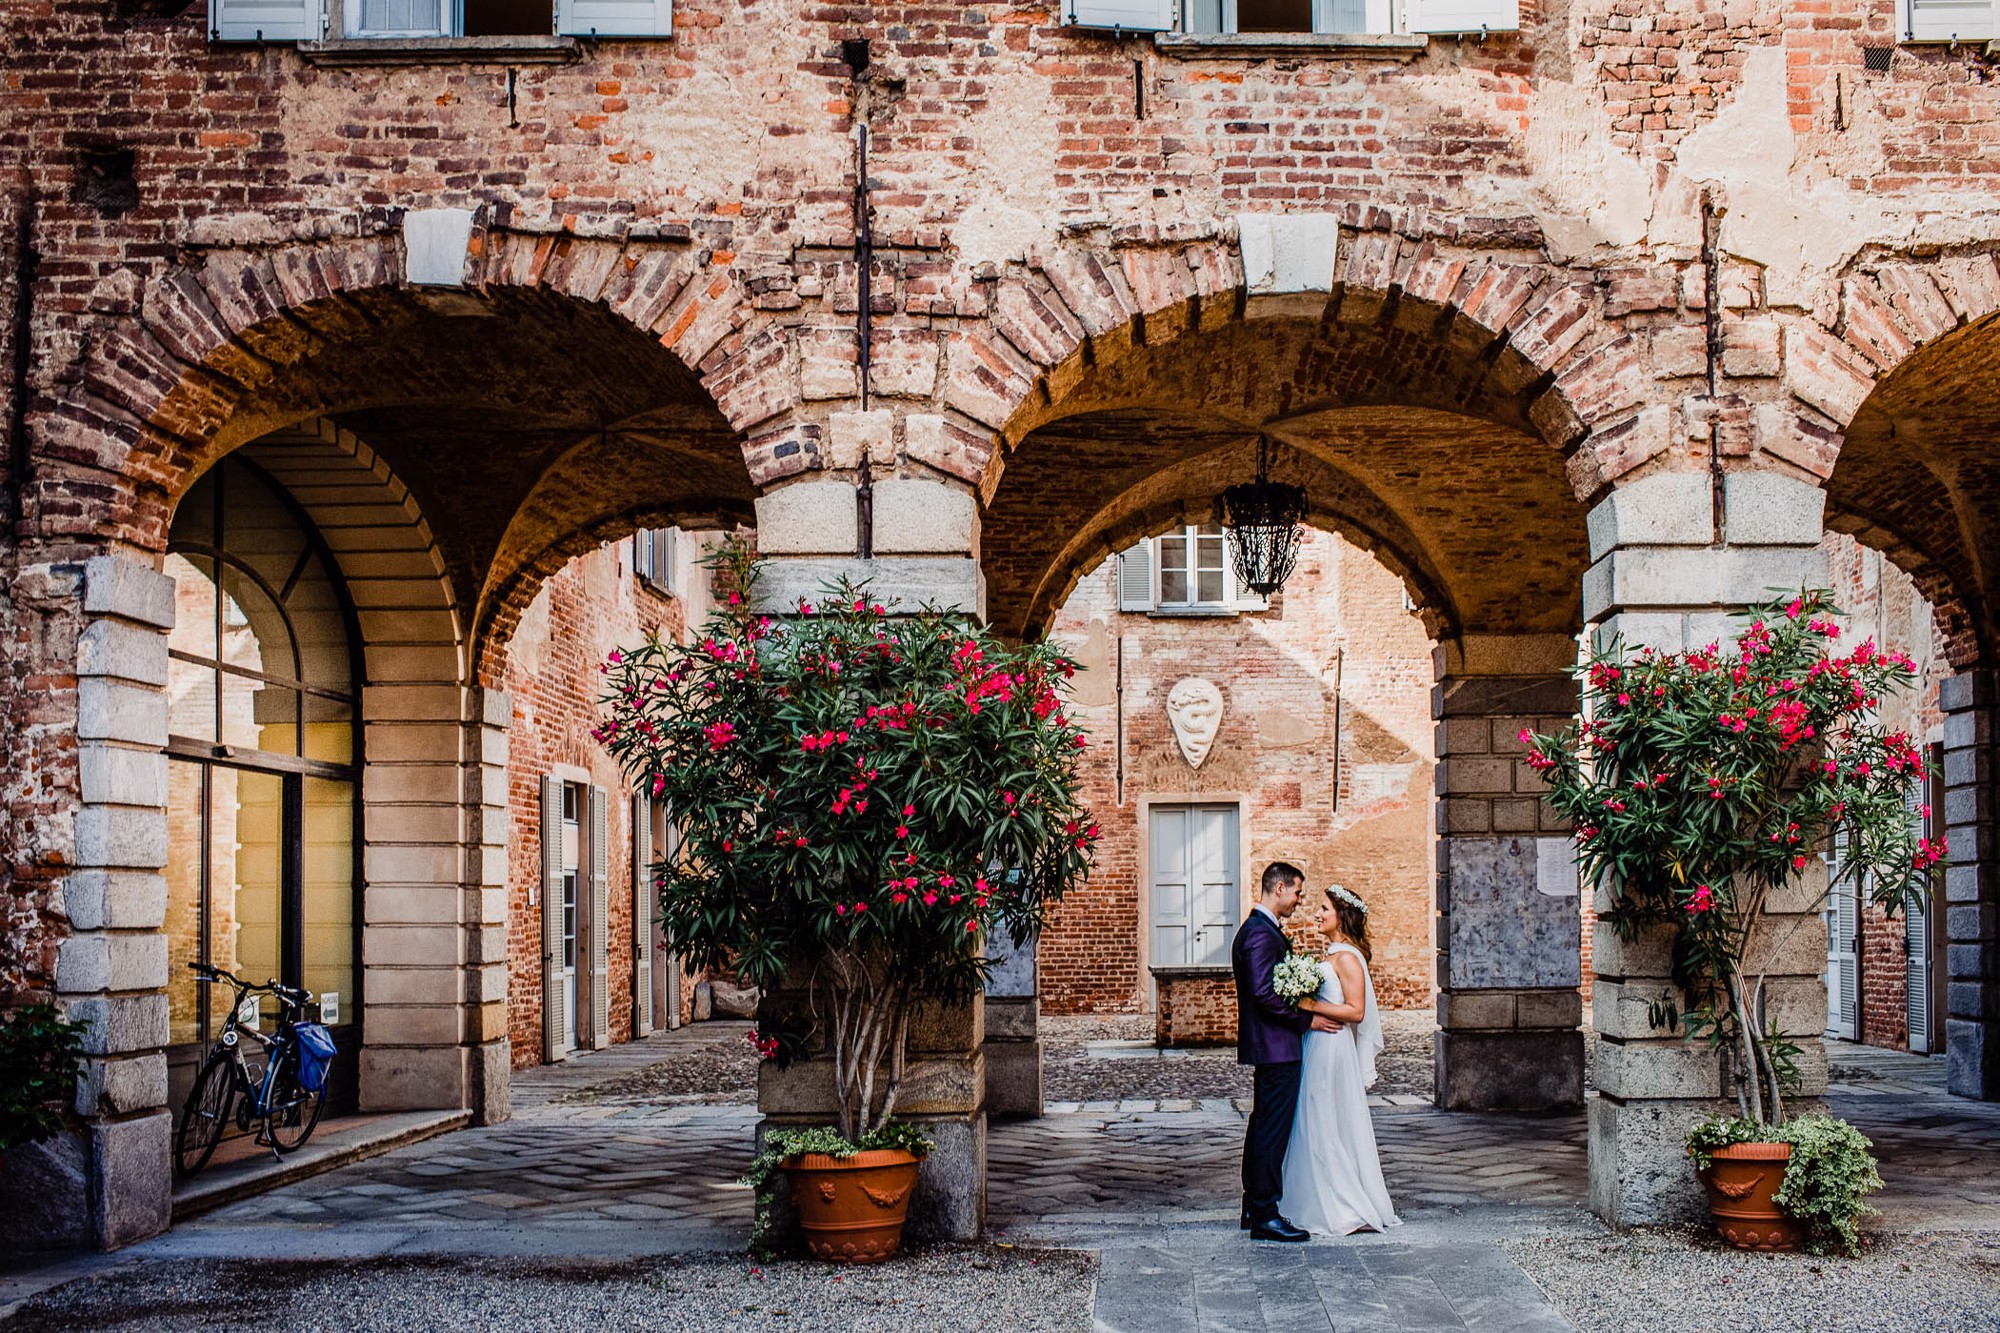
(591, 1170)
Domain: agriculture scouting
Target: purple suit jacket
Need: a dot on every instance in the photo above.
(1267, 1028)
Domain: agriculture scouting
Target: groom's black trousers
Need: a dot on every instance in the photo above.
(1276, 1098)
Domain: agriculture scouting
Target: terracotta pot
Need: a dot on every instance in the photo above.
(852, 1208)
(1740, 1187)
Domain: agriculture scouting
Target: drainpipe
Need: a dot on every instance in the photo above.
(1711, 316)
(27, 264)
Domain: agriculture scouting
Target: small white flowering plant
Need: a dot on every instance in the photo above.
(1296, 977)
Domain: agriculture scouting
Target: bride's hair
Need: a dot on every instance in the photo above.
(1352, 914)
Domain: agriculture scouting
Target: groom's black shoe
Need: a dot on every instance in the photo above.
(1277, 1228)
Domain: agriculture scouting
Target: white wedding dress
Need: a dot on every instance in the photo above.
(1332, 1175)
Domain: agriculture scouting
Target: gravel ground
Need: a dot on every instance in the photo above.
(722, 1070)
(1667, 1281)
(956, 1290)
(717, 1070)
(1071, 1073)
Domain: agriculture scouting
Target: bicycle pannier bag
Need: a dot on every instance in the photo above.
(315, 1055)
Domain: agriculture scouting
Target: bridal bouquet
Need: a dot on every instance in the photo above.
(1296, 977)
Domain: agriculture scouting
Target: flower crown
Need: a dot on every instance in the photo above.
(1334, 890)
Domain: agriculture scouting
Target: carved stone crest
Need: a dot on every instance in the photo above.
(1194, 707)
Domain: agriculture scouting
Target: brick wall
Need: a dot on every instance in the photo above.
(594, 605)
(1325, 739)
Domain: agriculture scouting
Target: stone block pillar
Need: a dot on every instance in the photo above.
(108, 1182)
(925, 551)
(1509, 919)
(1667, 575)
(1013, 1038)
(1971, 703)
(488, 1051)
(943, 1093)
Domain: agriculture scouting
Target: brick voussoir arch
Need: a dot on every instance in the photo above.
(1533, 326)
(209, 335)
(507, 596)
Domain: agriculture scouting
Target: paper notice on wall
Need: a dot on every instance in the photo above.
(329, 1007)
(1555, 867)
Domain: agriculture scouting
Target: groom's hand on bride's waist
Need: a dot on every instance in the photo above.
(1321, 1023)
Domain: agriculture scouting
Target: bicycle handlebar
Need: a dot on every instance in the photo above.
(288, 994)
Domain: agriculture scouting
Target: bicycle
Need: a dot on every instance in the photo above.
(227, 1089)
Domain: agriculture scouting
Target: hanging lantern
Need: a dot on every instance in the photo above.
(1262, 521)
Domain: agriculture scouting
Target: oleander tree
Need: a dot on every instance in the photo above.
(1700, 784)
(863, 797)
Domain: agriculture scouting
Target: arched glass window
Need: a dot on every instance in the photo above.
(261, 866)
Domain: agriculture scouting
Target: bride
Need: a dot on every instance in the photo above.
(1332, 1175)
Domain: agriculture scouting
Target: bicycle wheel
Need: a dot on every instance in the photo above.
(294, 1112)
(204, 1116)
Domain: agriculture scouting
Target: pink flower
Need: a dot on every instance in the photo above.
(1703, 899)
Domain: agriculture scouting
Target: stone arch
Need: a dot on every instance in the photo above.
(611, 370)
(1169, 346)
(1902, 393)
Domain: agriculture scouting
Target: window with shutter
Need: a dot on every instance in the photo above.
(1193, 570)
(1135, 578)
(556, 1025)
(265, 20)
(615, 18)
(1121, 15)
(600, 925)
(1843, 964)
(1950, 20)
(640, 830)
(1455, 16)
(397, 18)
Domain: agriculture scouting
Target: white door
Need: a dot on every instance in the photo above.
(1193, 884)
(1843, 955)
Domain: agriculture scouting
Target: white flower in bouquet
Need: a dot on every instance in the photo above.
(1296, 977)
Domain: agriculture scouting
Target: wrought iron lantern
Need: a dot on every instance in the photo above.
(1262, 520)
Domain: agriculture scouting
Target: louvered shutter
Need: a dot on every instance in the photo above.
(1843, 972)
(1123, 15)
(1949, 20)
(556, 1025)
(600, 905)
(265, 20)
(1454, 16)
(642, 919)
(1242, 597)
(615, 18)
(1135, 578)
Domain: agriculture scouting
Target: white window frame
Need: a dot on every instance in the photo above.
(1380, 17)
(1224, 917)
(656, 559)
(1236, 598)
(1190, 534)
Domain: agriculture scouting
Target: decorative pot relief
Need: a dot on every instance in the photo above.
(1194, 707)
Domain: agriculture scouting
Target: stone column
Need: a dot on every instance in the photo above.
(1972, 885)
(1013, 1032)
(414, 944)
(1665, 576)
(109, 1181)
(1509, 919)
(488, 1049)
(926, 550)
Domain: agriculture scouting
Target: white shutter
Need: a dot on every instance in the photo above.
(555, 991)
(1949, 20)
(1843, 967)
(1917, 976)
(265, 20)
(1123, 15)
(1135, 578)
(600, 906)
(1172, 851)
(642, 919)
(1242, 596)
(615, 18)
(1453, 16)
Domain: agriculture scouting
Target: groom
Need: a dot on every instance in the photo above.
(1268, 1031)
